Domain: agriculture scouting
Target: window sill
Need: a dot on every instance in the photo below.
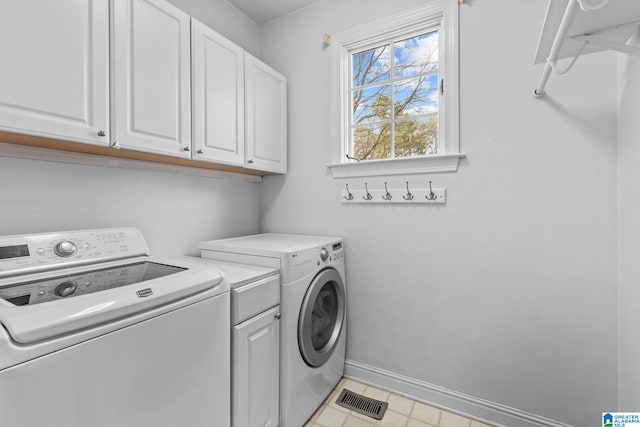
(404, 166)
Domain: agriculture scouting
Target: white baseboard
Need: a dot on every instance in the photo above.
(450, 400)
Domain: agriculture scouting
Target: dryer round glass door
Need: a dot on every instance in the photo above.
(321, 317)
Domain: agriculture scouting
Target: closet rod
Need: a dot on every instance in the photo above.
(569, 14)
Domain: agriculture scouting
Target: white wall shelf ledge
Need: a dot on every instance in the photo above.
(577, 27)
(403, 166)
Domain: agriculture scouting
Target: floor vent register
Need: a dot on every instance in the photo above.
(361, 404)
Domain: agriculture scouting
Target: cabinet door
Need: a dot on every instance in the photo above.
(218, 96)
(256, 371)
(265, 117)
(54, 73)
(151, 82)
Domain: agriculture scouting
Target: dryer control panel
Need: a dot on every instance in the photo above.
(305, 261)
(25, 254)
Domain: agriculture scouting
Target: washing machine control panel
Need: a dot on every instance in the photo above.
(329, 253)
(304, 261)
(338, 251)
(44, 251)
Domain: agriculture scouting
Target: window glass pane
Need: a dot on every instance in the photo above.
(403, 75)
(371, 66)
(416, 55)
(416, 137)
(416, 96)
(372, 141)
(372, 104)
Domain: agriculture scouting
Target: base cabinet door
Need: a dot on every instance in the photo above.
(255, 399)
(151, 77)
(265, 117)
(55, 68)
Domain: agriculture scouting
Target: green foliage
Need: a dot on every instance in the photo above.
(412, 137)
(416, 138)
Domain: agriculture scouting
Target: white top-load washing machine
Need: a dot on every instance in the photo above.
(95, 332)
(313, 310)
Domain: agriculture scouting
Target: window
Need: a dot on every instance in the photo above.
(395, 94)
(394, 99)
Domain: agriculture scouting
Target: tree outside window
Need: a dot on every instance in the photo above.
(395, 99)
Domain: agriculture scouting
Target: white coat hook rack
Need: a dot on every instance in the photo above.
(388, 195)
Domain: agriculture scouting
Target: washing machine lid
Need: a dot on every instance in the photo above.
(67, 286)
(87, 296)
(273, 245)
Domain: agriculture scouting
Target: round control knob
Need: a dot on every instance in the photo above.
(324, 254)
(65, 249)
(65, 289)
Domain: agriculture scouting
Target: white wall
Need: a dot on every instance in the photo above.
(226, 19)
(628, 230)
(173, 211)
(500, 293)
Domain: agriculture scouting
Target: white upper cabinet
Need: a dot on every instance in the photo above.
(151, 79)
(218, 96)
(139, 75)
(265, 117)
(54, 73)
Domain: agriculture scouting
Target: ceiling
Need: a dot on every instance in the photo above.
(265, 10)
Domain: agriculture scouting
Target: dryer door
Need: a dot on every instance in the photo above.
(321, 317)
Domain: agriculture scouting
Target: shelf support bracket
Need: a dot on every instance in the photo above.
(624, 48)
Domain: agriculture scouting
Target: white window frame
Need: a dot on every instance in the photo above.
(442, 14)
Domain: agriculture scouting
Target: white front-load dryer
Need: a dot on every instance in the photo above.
(313, 312)
(313, 336)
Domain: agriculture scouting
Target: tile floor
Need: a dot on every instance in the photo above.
(401, 412)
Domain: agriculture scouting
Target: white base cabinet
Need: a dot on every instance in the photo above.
(256, 371)
(265, 117)
(151, 85)
(54, 73)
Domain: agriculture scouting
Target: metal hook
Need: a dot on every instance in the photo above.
(368, 196)
(388, 195)
(350, 196)
(431, 195)
(409, 196)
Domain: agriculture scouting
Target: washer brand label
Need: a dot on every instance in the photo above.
(298, 258)
(144, 292)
